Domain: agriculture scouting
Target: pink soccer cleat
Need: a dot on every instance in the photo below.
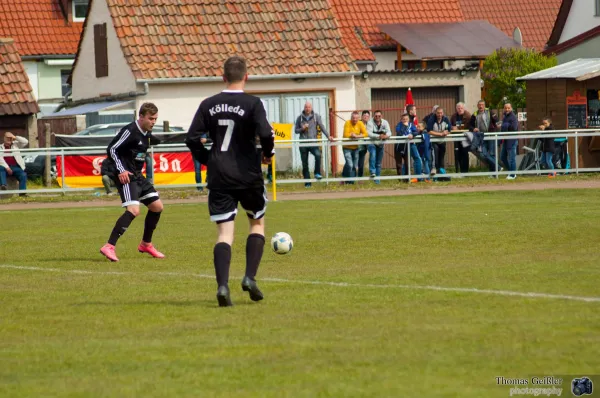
(151, 250)
(108, 251)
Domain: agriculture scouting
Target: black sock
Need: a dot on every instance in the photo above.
(150, 225)
(222, 253)
(120, 227)
(254, 251)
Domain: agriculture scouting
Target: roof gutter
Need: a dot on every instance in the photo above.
(46, 56)
(206, 79)
(116, 97)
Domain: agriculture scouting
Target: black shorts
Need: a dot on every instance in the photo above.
(223, 203)
(138, 190)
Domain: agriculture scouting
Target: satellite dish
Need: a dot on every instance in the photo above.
(518, 36)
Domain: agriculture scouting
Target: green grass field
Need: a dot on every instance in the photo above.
(357, 309)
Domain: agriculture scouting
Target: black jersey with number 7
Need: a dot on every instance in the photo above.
(233, 120)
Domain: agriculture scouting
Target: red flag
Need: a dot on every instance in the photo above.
(409, 98)
(410, 101)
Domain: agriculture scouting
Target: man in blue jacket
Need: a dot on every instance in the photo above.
(401, 153)
(509, 148)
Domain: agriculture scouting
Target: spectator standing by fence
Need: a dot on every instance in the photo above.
(402, 153)
(306, 126)
(510, 123)
(430, 115)
(437, 127)
(548, 147)
(354, 129)
(461, 120)
(424, 148)
(411, 110)
(482, 122)
(362, 149)
(379, 130)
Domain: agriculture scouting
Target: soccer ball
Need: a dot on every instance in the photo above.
(282, 243)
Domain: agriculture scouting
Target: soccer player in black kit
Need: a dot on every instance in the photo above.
(233, 120)
(126, 158)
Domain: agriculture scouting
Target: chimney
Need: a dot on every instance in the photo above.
(64, 7)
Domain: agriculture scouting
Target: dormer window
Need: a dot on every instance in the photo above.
(80, 10)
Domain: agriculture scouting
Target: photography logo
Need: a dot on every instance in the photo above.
(581, 386)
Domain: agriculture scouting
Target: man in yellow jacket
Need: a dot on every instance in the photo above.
(354, 129)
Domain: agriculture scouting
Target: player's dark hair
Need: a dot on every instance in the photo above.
(366, 113)
(148, 108)
(377, 111)
(409, 108)
(234, 69)
(405, 114)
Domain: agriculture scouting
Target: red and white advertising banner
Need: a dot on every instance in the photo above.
(83, 171)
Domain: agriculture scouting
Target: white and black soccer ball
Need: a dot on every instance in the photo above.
(282, 243)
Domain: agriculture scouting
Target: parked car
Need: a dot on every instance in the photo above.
(35, 164)
(113, 128)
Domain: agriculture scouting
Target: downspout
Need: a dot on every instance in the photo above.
(207, 79)
(116, 97)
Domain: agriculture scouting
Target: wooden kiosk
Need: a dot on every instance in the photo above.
(569, 95)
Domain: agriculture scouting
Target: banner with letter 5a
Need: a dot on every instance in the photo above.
(170, 168)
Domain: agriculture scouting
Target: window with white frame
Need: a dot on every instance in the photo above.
(80, 10)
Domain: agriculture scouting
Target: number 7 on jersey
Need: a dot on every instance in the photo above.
(228, 133)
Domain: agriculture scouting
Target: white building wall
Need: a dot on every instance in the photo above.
(178, 102)
(120, 79)
(582, 18)
(385, 59)
(31, 68)
(588, 49)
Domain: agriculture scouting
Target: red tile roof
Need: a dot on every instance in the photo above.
(39, 27)
(178, 39)
(16, 94)
(535, 18)
(358, 20)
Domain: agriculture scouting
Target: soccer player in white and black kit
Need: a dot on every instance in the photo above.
(233, 120)
(126, 158)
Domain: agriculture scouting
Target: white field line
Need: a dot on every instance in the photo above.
(325, 283)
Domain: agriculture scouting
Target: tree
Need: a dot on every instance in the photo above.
(503, 67)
